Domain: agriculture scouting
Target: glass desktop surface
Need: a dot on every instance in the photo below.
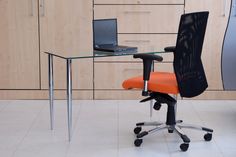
(96, 54)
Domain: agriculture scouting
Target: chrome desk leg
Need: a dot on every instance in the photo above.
(69, 95)
(51, 88)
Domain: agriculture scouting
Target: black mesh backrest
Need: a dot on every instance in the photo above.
(187, 56)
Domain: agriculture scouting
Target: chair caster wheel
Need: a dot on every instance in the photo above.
(184, 147)
(138, 142)
(137, 130)
(208, 137)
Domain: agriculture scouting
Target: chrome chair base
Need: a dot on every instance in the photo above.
(177, 128)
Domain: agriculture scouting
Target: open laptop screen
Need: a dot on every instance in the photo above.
(105, 32)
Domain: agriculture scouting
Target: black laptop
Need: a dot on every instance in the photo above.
(105, 37)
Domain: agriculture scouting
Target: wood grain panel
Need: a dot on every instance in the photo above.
(43, 94)
(142, 18)
(138, 1)
(19, 45)
(66, 28)
(136, 95)
(212, 48)
(82, 73)
(118, 95)
(102, 94)
(216, 95)
(111, 75)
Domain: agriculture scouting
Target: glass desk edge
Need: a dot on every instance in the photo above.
(97, 54)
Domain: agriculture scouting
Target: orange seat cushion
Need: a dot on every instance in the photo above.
(162, 82)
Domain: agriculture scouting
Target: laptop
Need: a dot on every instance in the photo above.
(106, 38)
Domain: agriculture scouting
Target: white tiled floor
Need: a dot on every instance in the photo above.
(105, 129)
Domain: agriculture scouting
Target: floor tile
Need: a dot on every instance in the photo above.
(103, 128)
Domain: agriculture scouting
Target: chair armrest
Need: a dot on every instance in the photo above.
(147, 66)
(145, 56)
(169, 49)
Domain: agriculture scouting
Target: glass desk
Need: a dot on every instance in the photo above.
(68, 58)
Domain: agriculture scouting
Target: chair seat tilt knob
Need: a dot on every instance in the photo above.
(157, 106)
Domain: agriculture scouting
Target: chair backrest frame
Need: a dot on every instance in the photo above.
(188, 66)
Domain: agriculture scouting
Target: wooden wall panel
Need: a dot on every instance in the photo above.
(66, 29)
(211, 55)
(142, 18)
(139, 1)
(115, 73)
(19, 45)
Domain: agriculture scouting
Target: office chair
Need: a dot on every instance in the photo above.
(188, 79)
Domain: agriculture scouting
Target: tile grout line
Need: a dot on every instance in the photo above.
(31, 125)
